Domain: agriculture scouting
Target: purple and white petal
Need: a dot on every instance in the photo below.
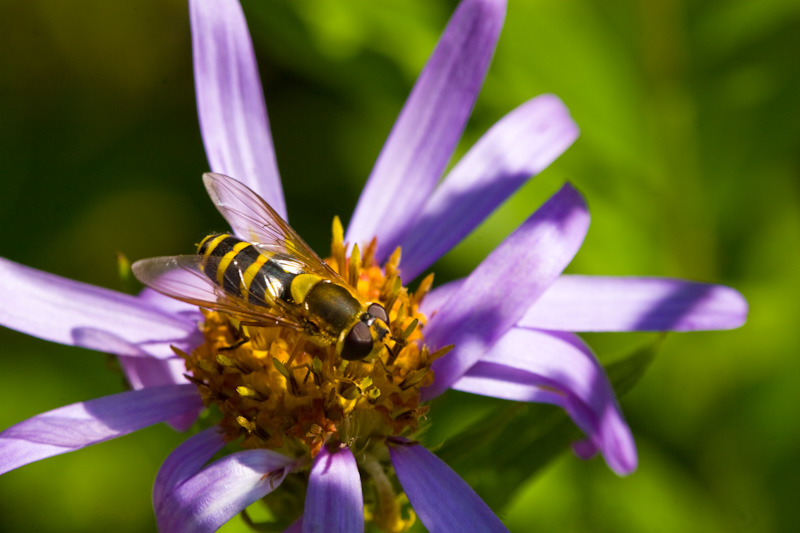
(204, 502)
(557, 368)
(334, 502)
(65, 311)
(186, 461)
(429, 126)
(443, 501)
(82, 424)
(606, 303)
(230, 100)
(497, 293)
(518, 147)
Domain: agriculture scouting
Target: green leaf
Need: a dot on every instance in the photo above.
(626, 372)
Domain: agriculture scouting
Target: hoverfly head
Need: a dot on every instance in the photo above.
(367, 336)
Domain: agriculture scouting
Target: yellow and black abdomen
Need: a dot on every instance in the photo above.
(244, 271)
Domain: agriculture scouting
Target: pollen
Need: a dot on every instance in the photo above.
(277, 388)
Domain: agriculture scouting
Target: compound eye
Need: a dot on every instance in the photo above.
(377, 311)
(358, 343)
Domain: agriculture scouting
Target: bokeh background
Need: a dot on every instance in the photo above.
(689, 157)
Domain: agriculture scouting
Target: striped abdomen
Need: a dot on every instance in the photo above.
(244, 271)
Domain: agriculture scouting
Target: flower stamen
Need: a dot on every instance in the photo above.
(277, 388)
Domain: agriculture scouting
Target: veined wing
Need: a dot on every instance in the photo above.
(182, 277)
(255, 221)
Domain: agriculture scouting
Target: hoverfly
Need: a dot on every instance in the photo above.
(268, 276)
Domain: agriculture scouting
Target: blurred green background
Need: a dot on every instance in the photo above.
(689, 157)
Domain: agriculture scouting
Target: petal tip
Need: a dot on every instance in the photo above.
(739, 307)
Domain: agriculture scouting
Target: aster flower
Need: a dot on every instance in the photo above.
(519, 344)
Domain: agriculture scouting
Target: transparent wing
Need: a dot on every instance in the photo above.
(255, 221)
(182, 277)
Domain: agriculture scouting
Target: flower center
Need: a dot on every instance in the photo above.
(278, 389)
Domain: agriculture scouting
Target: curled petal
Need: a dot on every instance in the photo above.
(557, 368)
(444, 502)
(484, 308)
(521, 145)
(186, 461)
(82, 424)
(230, 101)
(77, 314)
(204, 502)
(426, 132)
(605, 303)
(334, 502)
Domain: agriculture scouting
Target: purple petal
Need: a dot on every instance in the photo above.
(230, 101)
(186, 461)
(171, 305)
(82, 424)
(484, 308)
(104, 341)
(141, 369)
(426, 132)
(585, 449)
(184, 422)
(604, 303)
(521, 145)
(334, 503)
(436, 299)
(296, 527)
(443, 501)
(557, 368)
(65, 311)
(142, 372)
(204, 502)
